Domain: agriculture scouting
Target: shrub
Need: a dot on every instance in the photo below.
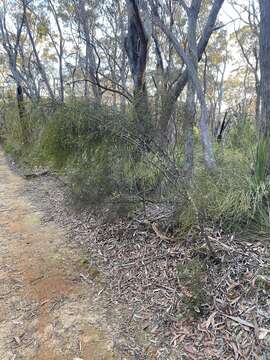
(104, 157)
(234, 197)
(97, 149)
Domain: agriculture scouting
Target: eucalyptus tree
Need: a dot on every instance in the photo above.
(137, 44)
(265, 68)
(182, 77)
(191, 60)
(28, 14)
(14, 45)
(192, 14)
(58, 44)
(86, 18)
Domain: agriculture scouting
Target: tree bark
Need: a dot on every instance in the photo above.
(265, 74)
(136, 45)
(123, 75)
(265, 67)
(21, 110)
(192, 12)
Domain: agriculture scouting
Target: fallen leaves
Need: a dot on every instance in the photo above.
(139, 266)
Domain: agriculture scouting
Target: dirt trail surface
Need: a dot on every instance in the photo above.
(45, 308)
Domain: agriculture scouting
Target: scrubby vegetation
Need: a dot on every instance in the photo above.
(98, 151)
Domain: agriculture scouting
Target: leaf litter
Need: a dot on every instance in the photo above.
(139, 265)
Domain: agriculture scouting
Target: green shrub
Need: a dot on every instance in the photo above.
(103, 156)
(234, 197)
(97, 149)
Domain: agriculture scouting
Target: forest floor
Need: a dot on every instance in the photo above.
(49, 308)
(80, 284)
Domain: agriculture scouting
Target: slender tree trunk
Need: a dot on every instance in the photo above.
(265, 67)
(123, 59)
(20, 102)
(59, 51)
(265, 73)
(192, 12)
(91, 69)
(189, 124)
(258, 103)
(39, 64)
(91, 65)
(62, 90)
(21, 110)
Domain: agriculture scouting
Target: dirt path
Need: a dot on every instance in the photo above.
(45, 308)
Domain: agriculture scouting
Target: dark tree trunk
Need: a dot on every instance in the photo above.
(136, 45)
(20, 102)
(21, 109)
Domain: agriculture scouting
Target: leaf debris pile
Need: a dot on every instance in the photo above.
(191, 305)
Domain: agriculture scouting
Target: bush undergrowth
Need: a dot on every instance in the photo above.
(97, 149)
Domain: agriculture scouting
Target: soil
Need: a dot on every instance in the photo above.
(48, 305)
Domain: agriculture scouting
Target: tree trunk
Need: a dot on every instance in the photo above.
(192, 13)
(258, 103)
(90, 65)
(265, 73)
(123, 59)
(21, 109)
(136, 45)
(265, 67)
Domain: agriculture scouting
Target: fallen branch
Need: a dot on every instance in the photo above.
(35, 175)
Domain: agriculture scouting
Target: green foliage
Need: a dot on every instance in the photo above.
(81, 141)
(191, 276)
(260, 186)
(262, 163)
(215, 198)
(242, 135)
(98, 150)
(11, 133)
(234, 197)
(9, 149)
